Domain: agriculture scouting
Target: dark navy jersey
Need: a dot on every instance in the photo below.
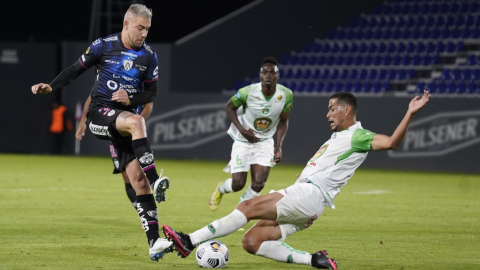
(119, 67)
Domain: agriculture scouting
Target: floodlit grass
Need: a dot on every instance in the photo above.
(72, 213)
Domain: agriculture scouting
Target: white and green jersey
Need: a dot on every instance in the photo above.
(337, 159)
(259, 113)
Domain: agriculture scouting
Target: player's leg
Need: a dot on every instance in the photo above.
(259, 175)
(238, 166)
(127, 124)
(262, 207)
(131, 194)
(147, 210)
(122, 153)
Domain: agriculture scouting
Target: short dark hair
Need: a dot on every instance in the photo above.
(270, 60)
(346, 98)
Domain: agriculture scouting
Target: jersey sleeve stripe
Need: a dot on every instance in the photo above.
(82, 64)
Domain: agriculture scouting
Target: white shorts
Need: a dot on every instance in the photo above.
(301, 205)
(245, 154)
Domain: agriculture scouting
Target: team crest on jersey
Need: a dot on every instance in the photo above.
(261, 124)
(265, 111)
(280, 97)
(319, 153)
(127, 64)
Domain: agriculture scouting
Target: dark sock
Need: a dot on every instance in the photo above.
(143, 152)
(132, 196)
(147, 211)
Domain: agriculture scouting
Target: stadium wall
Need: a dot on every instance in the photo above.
(218, 57)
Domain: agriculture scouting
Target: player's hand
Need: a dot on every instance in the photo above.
(80, 131)
(121, 96)
(41, 88)
(277, 156)
(418, 103)
(248, 134)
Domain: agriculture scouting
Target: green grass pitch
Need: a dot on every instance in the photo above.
(72, 213)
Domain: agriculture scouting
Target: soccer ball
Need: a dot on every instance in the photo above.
(212, 254)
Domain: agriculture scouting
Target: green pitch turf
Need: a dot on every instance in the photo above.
(72, 213)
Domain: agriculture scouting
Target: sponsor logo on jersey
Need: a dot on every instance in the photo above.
(99, 130)
(116, 76)
(110, 113)
(211, 228)
(155, 72)
(88, 49)
(96, 42)
(265, 111)
(318, 154)
(238, 95)
(289, 105)
(112, 85)
(140, 67)
(147, 48)
(147, 158)
(129, 54)
(113, 38)
(188, 127)
(127, 64)
(117, 164)
(279, 97)
(111, 61)
(262, 124)
(153, 214)
(440, 134)
(128, 78)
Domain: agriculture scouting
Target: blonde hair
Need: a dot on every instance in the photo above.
(137, 10)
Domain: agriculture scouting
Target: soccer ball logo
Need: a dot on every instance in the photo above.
(212, 254)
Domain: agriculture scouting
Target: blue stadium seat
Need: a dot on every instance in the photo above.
(396, 60)
(435, 59)
(465, 74)
(316, 74)
(339, 35)
(385, 87)
(410, 74)
(339, 60)
(445, 74)
(400, 75)
(473, 7)
(372, 47)
(396, 34)
(453, 7)
(328, 87)
(459, 46)
(440, 47)
(354, 21)
(382, 73)
(449, 21)
(377, 60)
(301, 87)
(433, 8)
(444, 34)
(348, 60)
(463, 8)
(371, 22)
(429, 21)
(302, 60)
(362, 48)
(420, 47)
(362, 74)
(367, 60)
(455, 33)
(284, 59)
(443, 8)
(347, 87)
(434, 34)
(356, 87)
(358, 34)
(425, 33)
(410, 47)
(297, 74)
(426, 60)
(325, 47)
(395, 10)
(469, 20)
(420, 87)
(331, 34)
(475, 74)
(288, 74)
(405, 34)
(292, 60)
(430, 47)
(386, 60)
(423, 8)
(366, 87)
(429, 87)
(325, 74)
(474, 33)
(306, 73)
(450, 88)
(311, 60)
(439, 88)
(329, 60)
(352, 75)
(386, 34)
(349, 34)
(470, 87)
(458, 20)
(439, 21)
(382, 47)
(310, 86)
(334, 48)
(471, 60)
(358, 60)
(353, 47)
(334, 74)
(343, 47)
(391, 47)
(337, 87)
(316, 47)
(292, 85)
(318, 87)
(376, 87)
(450, 47)
(465, 33)
(307, 47)
(343, 74)
(371, 74)
(321, 60)
(455, 74)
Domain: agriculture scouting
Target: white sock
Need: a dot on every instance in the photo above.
(220, 227)
(249, 194)
(279, 251)
(226, 187)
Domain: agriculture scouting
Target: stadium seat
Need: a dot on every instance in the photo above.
(311, 60)
(385, 87)
(347, 87)
(316, 74)
(362, 74)
(400, 75)
(356, 87)
(292, 85)
(325, 74)
(288, 74)
(321, 60)
(450, 88)
(439, 88)
(328, 87)
(455, 74)
(310, 87)
(366, 87)
(302, 60)
(343, 74)
(445, 74)
(334, 74)
(382, 73)
(352, 75)
(426, 60)
(386, 60)
(371, 74)
(420, 87)
(339, 60)
(297, 74)
(348, 60)
(337, 87)
(475, 74)
(318, 87)
(306, 73)
(301, 87)
(410, 74)
(329, 60)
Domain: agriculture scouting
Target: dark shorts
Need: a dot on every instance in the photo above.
(122, 153)
(101, 121)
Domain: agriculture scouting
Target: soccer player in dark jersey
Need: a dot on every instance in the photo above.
(119, 156)
(126, 76)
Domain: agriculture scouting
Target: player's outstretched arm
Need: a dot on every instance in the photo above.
(231, 110)
(281, 133)
(383, 142)
(41, 88)
(81, 127)
(64, 78)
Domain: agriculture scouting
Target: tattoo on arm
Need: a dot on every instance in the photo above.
(125, 115)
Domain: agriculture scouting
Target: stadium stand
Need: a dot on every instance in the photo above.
(401, 47)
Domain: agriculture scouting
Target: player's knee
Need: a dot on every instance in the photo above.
(258, 185)
(238, 183)
(250, 243)
(136, 122)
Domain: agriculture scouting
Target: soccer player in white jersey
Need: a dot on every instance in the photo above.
(264, 109)
(287, 211)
